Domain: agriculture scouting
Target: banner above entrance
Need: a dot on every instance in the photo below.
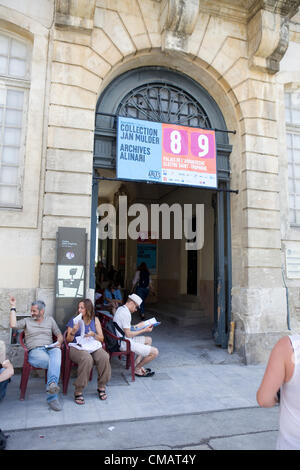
(166, 153)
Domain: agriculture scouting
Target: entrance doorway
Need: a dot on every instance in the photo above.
(163, 95)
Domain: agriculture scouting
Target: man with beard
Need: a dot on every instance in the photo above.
(39, 331)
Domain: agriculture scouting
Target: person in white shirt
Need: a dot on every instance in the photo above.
(140, 344)
(281, 382)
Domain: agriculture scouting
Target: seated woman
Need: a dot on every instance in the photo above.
(84, 336)
(112, 298)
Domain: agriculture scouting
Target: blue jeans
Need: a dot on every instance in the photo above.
(142, 292)
(47, 359)
(3, 386)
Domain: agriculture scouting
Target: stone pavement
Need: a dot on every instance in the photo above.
(200, 397)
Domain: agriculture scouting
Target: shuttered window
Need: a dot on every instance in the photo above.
(14, 86)
(292, 109)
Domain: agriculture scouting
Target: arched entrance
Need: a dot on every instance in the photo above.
(163, 95)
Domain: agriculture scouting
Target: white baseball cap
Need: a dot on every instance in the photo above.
(136, 299)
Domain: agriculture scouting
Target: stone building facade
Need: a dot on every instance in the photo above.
(59, 57)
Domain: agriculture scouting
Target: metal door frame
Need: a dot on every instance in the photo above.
(108, 104)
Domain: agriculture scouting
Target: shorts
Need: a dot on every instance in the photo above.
(138, 346)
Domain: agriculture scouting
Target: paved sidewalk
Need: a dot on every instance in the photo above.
(238, 429)
(192, 376)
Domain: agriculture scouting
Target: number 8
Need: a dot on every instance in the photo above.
(203, 145)
(175, 141)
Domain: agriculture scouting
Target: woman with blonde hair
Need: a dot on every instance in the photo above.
(85, 338)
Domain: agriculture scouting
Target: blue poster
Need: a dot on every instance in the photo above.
(146, 252)
(139, 146)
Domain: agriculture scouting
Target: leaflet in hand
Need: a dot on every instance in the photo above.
(52, 345)
(151, 322)
(77, 319)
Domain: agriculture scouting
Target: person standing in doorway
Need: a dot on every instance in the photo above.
(142, 282)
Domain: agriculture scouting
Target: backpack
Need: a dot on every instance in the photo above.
(144, 279)
(112, 344)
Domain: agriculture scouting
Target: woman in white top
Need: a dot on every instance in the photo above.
(283, 373)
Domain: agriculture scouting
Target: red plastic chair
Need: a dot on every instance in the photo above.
(104, 316)
(27, 367)
(68, 364)
(128, 353)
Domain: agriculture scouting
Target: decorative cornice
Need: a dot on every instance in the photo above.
(177, 22)
(75, 14)
(268, 33)
(285, 8)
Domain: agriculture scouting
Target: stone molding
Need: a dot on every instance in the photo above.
(286, 8)
(75, 14)
(177, 22)
(268, 33)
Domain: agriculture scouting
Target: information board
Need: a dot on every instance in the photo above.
(70, 272)
(166, 153)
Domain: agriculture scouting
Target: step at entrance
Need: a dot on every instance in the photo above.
(183, 310)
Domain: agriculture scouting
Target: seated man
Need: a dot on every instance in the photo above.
(6, 371)
(141, 345)
(39, 331)
(112, 298)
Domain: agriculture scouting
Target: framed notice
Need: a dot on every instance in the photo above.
(166, 153)
(70, 273)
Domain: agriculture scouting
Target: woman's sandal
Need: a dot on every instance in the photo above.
(79, 399)
(147, 373)
(102, 394)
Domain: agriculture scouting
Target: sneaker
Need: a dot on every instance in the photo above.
(55, 405)
(53, 389)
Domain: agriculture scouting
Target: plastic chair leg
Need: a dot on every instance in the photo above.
(66, 377)
(24, 381)
(132, 366)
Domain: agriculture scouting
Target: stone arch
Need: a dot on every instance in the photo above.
(202, 73)
(108, 106)
(120, 86)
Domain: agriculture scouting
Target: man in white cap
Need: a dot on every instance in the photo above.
(140, 344)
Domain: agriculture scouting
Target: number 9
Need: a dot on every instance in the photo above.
(203, 145)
